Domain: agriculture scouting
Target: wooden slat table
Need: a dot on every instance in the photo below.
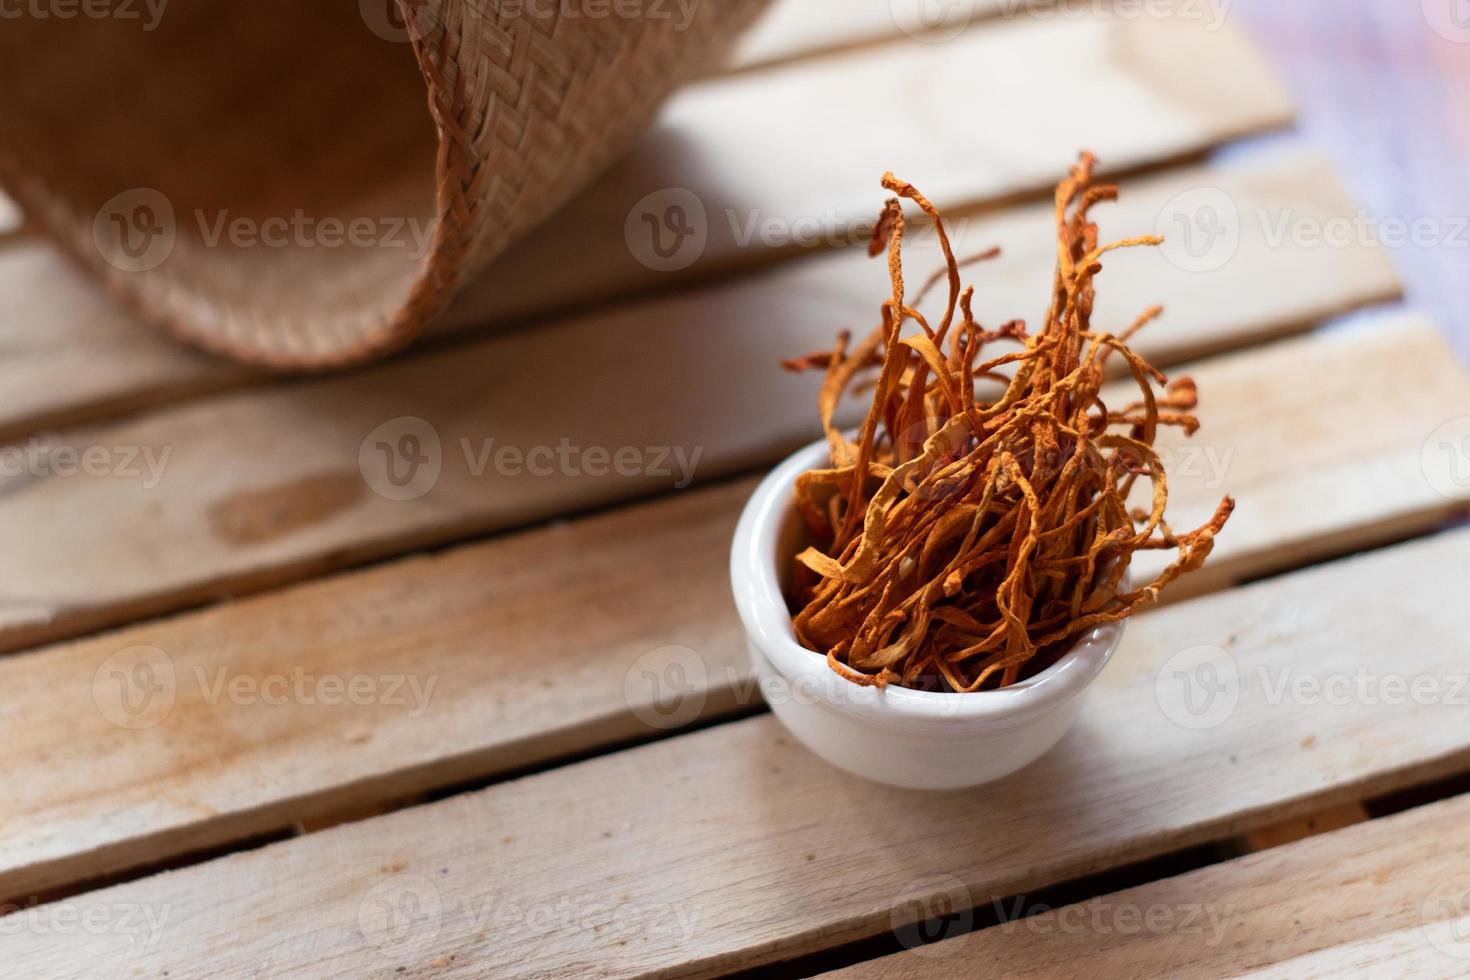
(255, 727)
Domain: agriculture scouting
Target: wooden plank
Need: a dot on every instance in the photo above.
(493, 673)
(1386, 898)
(733, 846)
(731, 142)
(802, 28)
(770, 163)
(71, 352)
(1381, 475)
(1247, 279)
(52, 375)
(1401, 954)
(214, 520)
(518, 681)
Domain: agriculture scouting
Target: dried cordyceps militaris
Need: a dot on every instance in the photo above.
(962, 544)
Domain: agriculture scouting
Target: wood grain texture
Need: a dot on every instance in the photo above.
(266, 486)
(503, 654)
(1387, 898)
(69, 351)
(734, 145)
(492, 672)
(1330, 443)
(771, 163)
(52, 374)
(730, 848)
(733, 846)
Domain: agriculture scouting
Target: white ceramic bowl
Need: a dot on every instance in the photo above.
(914, 739)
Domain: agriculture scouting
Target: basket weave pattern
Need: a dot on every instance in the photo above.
(274, 108)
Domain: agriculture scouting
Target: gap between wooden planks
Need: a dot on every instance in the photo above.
(1325, 444)
(1386, 898)
(793, 147)
(517, 681)
(266, 486)
(733, 847)
(777, 161)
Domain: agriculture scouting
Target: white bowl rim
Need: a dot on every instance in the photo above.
(762, 607)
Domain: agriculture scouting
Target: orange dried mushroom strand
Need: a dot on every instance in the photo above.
(960, 544)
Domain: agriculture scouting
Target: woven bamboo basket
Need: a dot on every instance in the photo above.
(303, 185)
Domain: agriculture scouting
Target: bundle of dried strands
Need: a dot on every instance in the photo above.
(962, 544)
